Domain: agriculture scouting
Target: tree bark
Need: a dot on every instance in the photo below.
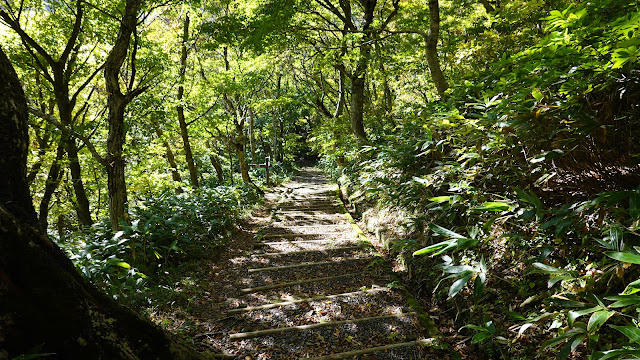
(44, 302)
(82, 201)
(357, 108)
(431, 47)
(117, 103)
(53, 180)
(14, 145)
(193, 172)
(215, 162)
(252, 138)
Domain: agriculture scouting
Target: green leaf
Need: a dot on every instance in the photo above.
(632, 332)
(615, 353)
(444, 232)
(440, 199)
(444, 246)
(574, 314)
(124, 265)
(493, 206)
(480, 337)
(537, 94)
(571, 345)
(624, 257)
(626, 301)
(598, 318)
(458, 285)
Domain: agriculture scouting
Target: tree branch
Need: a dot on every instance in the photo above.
(50, 119)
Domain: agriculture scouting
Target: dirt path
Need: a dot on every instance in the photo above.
(307, 287)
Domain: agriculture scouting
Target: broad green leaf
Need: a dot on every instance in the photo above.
(444, 232)
(444, 245)
(574, 314)
(571, 345)
(124, 265)
(624, 257)
(440, 199)
(458, 285)
(493, 206)
(598, 318)
(615, 353)
(457, 269)
(632, 300)
(537, 94)
(548, 268)
(480, 337)
(632, 332)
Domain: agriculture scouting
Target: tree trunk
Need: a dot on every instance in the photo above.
(193, 172)
(44, 302)
(116, 182)
(82, 201)
(357, 108)
(252, 138)
(431, 47)
(215, 162)
(53, 180)
(239, 144)
(14, 145)
(175, 174)
(117, 103)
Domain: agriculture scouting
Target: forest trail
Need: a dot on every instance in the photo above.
(310, 288)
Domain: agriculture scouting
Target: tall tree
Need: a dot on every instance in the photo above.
(117, 102)
(193, 173)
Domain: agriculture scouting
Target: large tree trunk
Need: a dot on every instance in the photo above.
(431, 47)
(44, 302)
(193, 173)
(14, 145)
(117, 103)
(53, 180)
(357, 108)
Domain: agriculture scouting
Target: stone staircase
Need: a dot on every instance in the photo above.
(314, 289)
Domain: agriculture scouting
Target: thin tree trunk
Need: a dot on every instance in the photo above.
(431, 47)
(252, 139)
(53, 180)
(175, 174)
(193, 172)
(82, 201)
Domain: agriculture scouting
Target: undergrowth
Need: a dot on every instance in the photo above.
(518, 201)
(164, 232)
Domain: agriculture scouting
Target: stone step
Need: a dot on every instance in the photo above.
(292, 283)
(371, 350)
(259, 333)
(304, 300)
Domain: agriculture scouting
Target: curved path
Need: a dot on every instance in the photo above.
(312, 289)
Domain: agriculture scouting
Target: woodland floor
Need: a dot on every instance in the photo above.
(298, 282)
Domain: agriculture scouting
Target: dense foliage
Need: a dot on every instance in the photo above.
(493, 146)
